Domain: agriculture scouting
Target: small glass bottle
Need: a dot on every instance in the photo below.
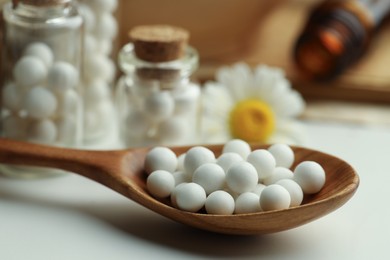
(157, 102)
(336, 34)
(40, 92)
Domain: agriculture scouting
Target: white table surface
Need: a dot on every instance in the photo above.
(70, 217)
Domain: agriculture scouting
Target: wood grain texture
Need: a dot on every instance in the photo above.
(123, 172)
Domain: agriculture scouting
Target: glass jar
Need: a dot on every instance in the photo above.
(157, 102)
(40, 91)
(101, 28)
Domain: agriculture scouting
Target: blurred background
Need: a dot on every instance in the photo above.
(226, 31)
(265, 32)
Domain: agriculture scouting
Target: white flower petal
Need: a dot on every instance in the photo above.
(292, 106)
(216, 105)
(216, 99)
(277, 93)
(236, 79)
(223, 75)
(290, 132)
(267, 76)
(214, 131)
(243, 72)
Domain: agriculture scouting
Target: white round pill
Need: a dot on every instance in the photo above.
(159, 106)
(210, 176)
(41, 51)
(310, 176)
(263, 161)
(98, 66)
(284, 155)
(160, 158)
(11, 97)
(29, 71)
(105, 111)
(14, 127)
(258, 189)
(226, 160)
(42, 131)
(220, 203)
(62, 76)
(97, 91)
(173, 194)
(66, 129)
(160, 183)
(106, 26)
(186, 100)
(90, 44)
(190, 197)
(247, 202)
(294, 189)
(237, 146)
(101, 6)
(136, 123)
(241, 177)
(279, 173)
(274, 197)
(180, 162)
(88, 17)
(231, 192)
(195, 157)
(91, 123)
(69, 102)
(104, 46)
(173, 131)
(40, 103)
(110, 68)
(180, 177)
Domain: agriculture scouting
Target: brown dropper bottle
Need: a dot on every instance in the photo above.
(336, 35)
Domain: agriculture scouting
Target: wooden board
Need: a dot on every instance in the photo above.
(227, 31)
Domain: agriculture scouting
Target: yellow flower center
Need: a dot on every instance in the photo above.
(252, 120)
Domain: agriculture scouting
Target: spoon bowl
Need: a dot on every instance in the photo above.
(122, 171)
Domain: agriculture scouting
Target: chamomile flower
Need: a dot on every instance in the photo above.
(256, 105)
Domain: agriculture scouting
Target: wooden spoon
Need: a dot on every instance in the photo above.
(122, 171)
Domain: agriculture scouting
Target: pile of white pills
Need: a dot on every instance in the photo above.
(99, 69)
(165, 117)
(238, 181)
(41, 104)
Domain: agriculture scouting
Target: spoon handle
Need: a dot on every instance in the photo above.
(82, 162)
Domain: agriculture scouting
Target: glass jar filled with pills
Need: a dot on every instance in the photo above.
(40, 91)
(99, 71)
(157, 102)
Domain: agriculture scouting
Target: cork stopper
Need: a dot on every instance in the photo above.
(159, 43)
